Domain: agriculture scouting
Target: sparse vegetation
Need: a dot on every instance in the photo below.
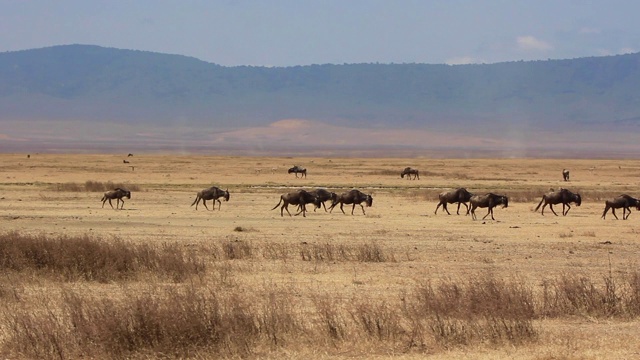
(161, 280)
(93, 186)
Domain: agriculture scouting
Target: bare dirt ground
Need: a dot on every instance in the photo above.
(519, 243)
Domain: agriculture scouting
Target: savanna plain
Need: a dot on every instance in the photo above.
(160, 279)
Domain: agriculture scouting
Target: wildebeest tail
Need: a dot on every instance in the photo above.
(279, 202)
(196, 200)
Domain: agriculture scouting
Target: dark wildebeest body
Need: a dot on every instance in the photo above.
(298, 170)
(460, 196)
(409, 171)
(355, 197)
(324, 195)
(565, 174)
(490, 201)
(623, 201)
(212, 193)
(117, 194)
(301, 198)
(562, 196)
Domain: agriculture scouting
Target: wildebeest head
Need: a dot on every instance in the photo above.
(125, 193)
(578, 199)
(226, 195)
(504, 200)
(369, 200)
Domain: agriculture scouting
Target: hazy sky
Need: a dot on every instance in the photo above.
(299, 32)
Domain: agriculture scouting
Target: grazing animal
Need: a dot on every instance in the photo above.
(299, 197)
(623, 201)
(409, 171)
(298, 170)
(460, 196)
(130, 155)
(490, 201)
(324, 195)
(125, 161)
(118, 194)
(355, 197)
(212, 193)
(565, 174)
(562, 196)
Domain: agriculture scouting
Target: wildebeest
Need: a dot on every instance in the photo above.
(565, 174)
(562, 196)
(298, 170)
(324, 195)
(490, 201)
(623, 201)
(409, 171)
(355, 197)
(299, 197)
(212, 193)
(118, 194)
(125, 161)
(460, 196)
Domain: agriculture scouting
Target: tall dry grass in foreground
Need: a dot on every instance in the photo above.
(209, 311)
(68, 258)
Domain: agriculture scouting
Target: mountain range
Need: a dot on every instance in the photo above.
(91, 98)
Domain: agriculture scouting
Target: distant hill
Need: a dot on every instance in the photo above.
(95, 85)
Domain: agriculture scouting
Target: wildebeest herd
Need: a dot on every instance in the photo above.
(460, 196)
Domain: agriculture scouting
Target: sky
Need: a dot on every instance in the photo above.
(301, 32)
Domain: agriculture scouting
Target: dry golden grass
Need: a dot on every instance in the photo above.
(399, 282)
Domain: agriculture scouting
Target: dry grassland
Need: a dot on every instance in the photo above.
(330, 261)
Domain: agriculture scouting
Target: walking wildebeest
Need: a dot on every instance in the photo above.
(324, 195)
(409, 171)
(460, 196)
(301, 198)
(563, 196)
(623, 201)
(565, 174)
(355, 197)
(212, 193)
(118, 194)
(490, 201)
(298, 170)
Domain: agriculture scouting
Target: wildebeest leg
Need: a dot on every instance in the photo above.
(342, 208)
(465, 205)
(111, 203)
(550, 207)
(473, 211)
(362, 206)
(628, 213)
(613, 211)
(204, 202)
(606, 209)
(437, 207)
(118, 202)
(564, 213)
(489, 212)
(285, 206)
